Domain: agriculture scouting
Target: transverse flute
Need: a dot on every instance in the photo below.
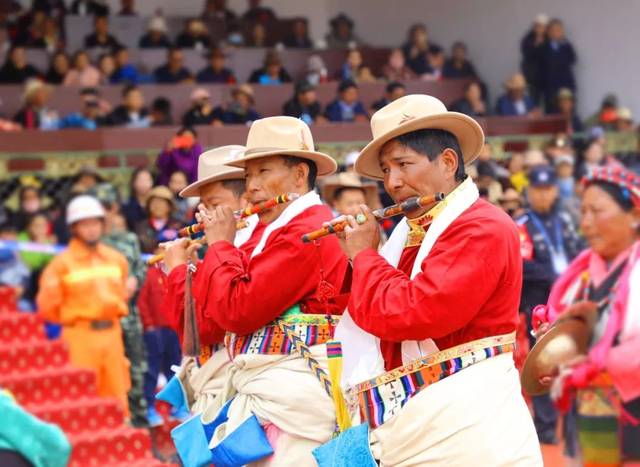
(379, 214)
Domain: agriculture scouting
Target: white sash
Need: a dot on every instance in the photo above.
(362, 358)
(243, 235)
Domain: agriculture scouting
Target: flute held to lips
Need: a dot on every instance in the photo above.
(408, 205)
(243, 213)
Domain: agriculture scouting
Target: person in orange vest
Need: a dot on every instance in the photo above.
(83, 288)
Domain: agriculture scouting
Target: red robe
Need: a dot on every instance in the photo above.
(469, 287)
(209, 332)
(245, 293)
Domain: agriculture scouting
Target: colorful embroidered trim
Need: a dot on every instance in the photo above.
(381, 398)
(206, 351)
(271, 340)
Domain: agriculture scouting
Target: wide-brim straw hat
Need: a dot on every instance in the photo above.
(517, 81)
(349, 180)
(161, 192)
(417, 112)
(212, 168)
(284, 136)
(32, 86)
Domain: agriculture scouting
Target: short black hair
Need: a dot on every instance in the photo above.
(290, 161)
(346, 84)
(236, 186)
(431, 143)
(186, 129)
(620, 195)
(393, 85)
(161, 104)
(128, 89)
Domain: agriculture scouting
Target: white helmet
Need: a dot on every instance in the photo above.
(84, 207)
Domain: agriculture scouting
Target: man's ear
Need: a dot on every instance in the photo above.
(449, 159)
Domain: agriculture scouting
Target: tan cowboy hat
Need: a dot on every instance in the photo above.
(517, 81)
(349, 180)
(161, 192)
(212, 168)
(417, 112)
(284, 136)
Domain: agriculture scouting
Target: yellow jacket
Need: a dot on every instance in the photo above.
(84, 284)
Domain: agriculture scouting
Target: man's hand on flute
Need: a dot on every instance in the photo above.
(362, 232)
(179, 251)
(219, 223)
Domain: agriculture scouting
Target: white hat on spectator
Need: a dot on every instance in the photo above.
(199, 93)
(534, 157)
(542, 19)
(564, 159)
(624, 113)
(157, 23)
(84, 207)
(212, 168)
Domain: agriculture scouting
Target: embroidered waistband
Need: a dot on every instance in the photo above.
(271, 340)
(382, 397)
(206, 352)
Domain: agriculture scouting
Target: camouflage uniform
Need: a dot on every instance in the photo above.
(127, 244)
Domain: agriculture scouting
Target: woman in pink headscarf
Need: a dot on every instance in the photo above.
(601, 391)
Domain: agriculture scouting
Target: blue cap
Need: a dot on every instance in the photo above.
(542, 175)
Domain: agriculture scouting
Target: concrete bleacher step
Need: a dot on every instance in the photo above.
(20, 327)
(110, 446)
(80, 415)
(35, 355)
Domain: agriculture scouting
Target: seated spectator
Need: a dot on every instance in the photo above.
(299, 37)
(30, 202)
(35, 114)
(156, 35)
(16, 70)
(127, 8)
(180, 153)
(201, 111)
(558, 58)
(258, 13)
(174, 70)
(161, 112)
(272, 72)
(52, 39)
(566, 106)
(160, 224)
(393, 91)
(346, 107)
(178, 181)
(593, 156)
(342, 35)
(458, 67)
(101, 39)
(132, 112)
(304, 104)
(607, 115)
(83, 72)
(29, 34)
(140, 185)
(488, 185)
(354, 69)
(316, 70)
(396, 69)
(515, 102)
(435, 64)
(106, 67)
(13, 272)
(511, 202)
(472, 103)
(215, 71)
(195, 36)
(257, 37)
(89, 117)
(240, 110)
(415, 49)
(517, 173)
(125, 71)
(89, 8)
(217, 10)
(58, 68)
(624, 123)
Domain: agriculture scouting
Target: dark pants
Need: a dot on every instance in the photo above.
(545, 418)
(163, 350)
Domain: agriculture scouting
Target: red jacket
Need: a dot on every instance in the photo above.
(469, 286)
(151, 299)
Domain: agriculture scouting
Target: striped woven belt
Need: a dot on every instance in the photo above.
(271, 340)
(382, 397)
(206, 351)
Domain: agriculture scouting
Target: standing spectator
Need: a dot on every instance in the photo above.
(299, 36)
(58, 68)
(240, 110)
(174, 70)
(215, 71)
(415, 49)
(566, 106)
(532, 48)
(354, 69)
(16, 69)
(83, 72)
(458, 66)
(160, 224)
(101, 38)
(472, 103)
(156, 35)
(558, 58)
(125, 71)
(195, 36)
(178, 181)
(396, 69)
(258, 13)
(89, 8)
(89, 118)
(35, 114)
(341, 34)
(607, 115)
(132, 113)
(346, 107)
(217, 9)
(91, 306)
(393, 91)
(272, 72)
(140, 185)
(316, 70)
(106, 67)
(304, 104)
(201, 111)
(515, 102)
(593, 156)
(52, 39)
(161, 112)
(180, 153)
(31, 35)
(127, 8)
(548, 242)
(258, 37)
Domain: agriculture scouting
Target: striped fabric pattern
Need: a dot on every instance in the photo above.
(598, 426)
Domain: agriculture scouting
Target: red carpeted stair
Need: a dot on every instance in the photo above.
(38, 374)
